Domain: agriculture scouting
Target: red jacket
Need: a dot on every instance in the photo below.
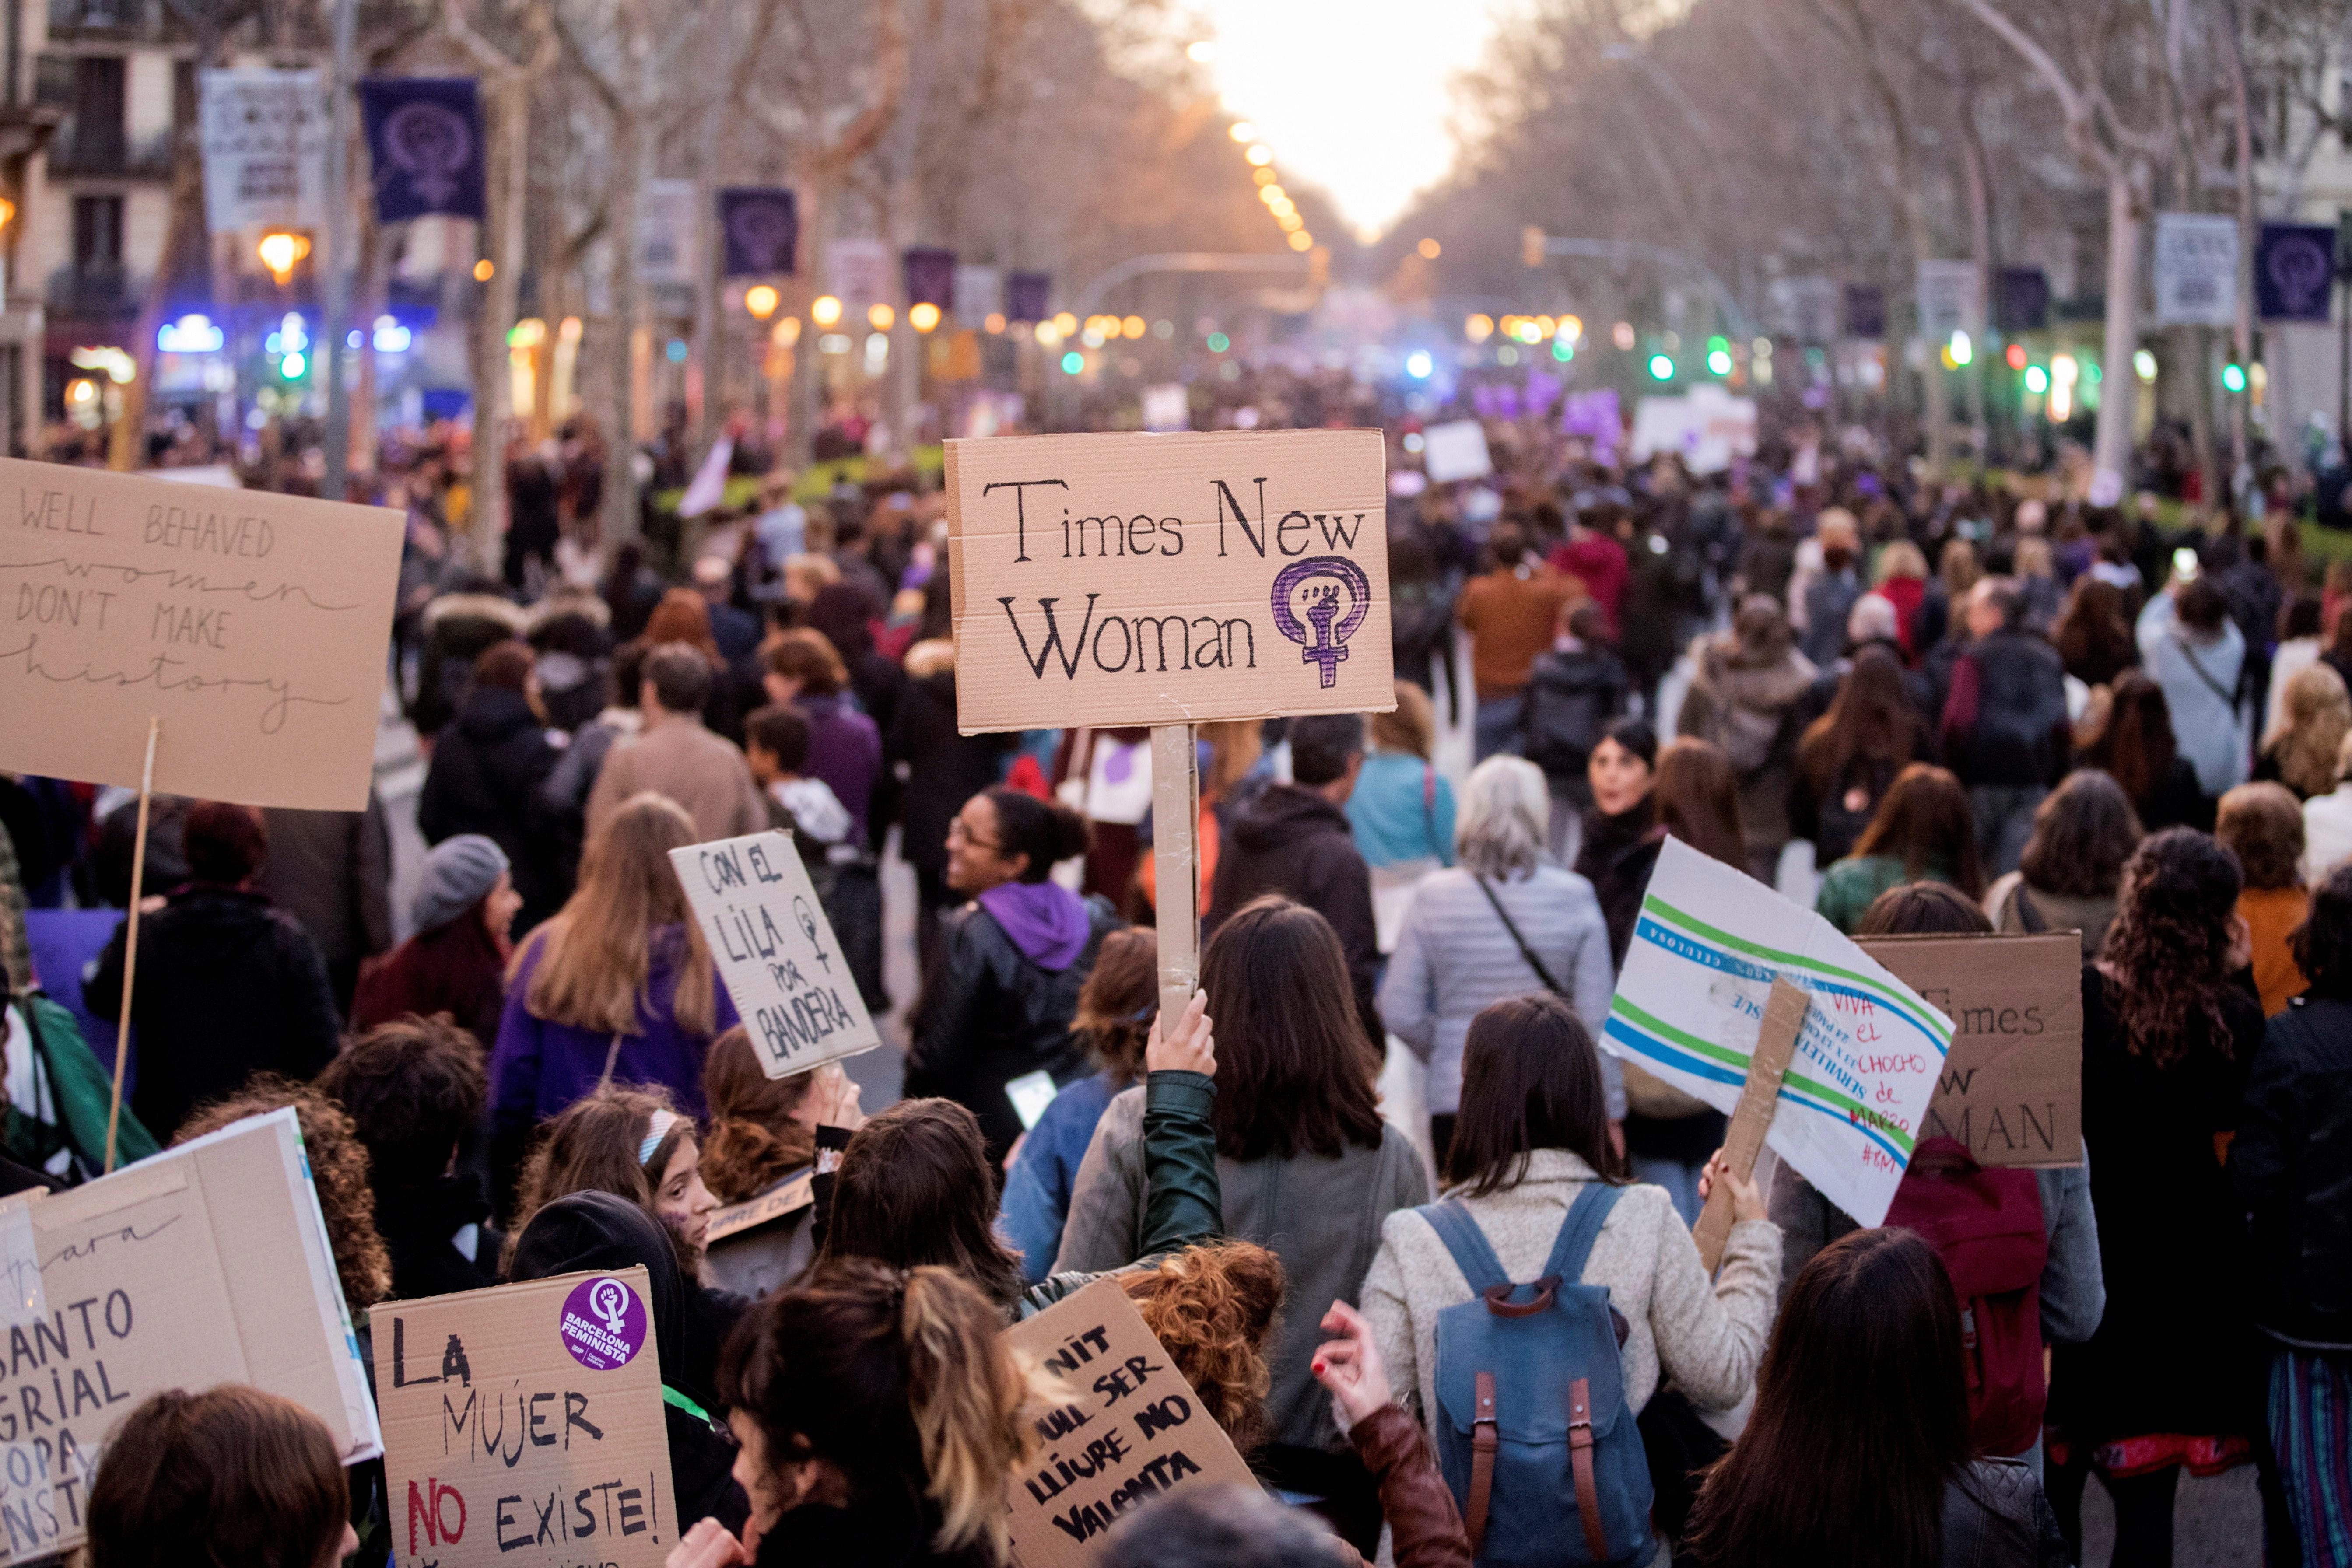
(1599, 562)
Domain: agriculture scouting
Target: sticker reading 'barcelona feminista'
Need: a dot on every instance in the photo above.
(1140, 578)
(603, 1323)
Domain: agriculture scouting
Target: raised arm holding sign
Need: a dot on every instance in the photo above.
(1165, 580)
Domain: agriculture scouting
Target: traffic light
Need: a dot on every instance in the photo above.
(1532, 246)
(1318, 266)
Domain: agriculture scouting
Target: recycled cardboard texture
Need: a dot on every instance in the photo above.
(789, 1197)
(2012, 1088)
(1119, 580)
(1136, 1431)
(204, 1265)
(776, 951)
(254, 625)
(1706, 947)
(502, 1446)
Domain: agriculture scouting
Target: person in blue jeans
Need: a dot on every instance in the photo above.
(1115, 1013)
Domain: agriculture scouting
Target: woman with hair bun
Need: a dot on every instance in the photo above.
(762, 1137)
(2170, 1378)
(999, 1002)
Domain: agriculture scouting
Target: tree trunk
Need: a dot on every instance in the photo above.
(631, 154)
(808, 362)
(2119, 383)
(509, 170)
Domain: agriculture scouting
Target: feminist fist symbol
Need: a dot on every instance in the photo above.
(802, 912)
(609, 1301)
(1332, 629)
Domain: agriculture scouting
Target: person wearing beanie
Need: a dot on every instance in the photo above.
(455, 963)
(229, 984)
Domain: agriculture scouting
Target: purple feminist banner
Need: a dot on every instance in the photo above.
(1331, 625)
(759, 227)
(929, 276)
(424, 140)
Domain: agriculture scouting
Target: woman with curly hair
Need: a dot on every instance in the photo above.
(2084, 832)
(2170, 1377)
(2314, 717)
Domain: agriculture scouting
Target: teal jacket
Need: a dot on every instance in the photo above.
(71, 1114)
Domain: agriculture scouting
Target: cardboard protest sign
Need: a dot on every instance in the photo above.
(1706, 947)
(204, 1265)
(254, 625)
(1115, 580)
(2012, 1088)
(775, 951)
(785, 1198)
(1455, 451)
(1135, 1431)
(523, 1425)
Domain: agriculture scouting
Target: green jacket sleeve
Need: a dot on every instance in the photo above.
(84, 1090)
(1182, 1203)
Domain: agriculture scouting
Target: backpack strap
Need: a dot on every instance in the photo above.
(1580, 1462)
(1578, 1231)
(1484, 1438)
(1472, 1254)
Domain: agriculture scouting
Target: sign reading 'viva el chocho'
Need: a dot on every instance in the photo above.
(1126, 580)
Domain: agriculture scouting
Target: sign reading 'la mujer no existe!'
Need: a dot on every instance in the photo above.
(1126, 580)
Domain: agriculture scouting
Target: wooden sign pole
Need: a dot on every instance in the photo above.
(131, 936)
(1776, 1043)
(1175, 818)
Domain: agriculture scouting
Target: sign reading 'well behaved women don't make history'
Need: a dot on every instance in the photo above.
(1123, 580)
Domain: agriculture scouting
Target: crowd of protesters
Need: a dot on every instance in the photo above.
(1922, 708)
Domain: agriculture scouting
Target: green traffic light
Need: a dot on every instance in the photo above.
(1662, 368)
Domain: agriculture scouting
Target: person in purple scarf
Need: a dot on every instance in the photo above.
(997, 1002)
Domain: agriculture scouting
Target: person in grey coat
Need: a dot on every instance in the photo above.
(1505, 922)
(331, 871)
(1305, 1168)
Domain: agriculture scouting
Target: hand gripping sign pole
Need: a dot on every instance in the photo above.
(131, 936)
(1776, 1043)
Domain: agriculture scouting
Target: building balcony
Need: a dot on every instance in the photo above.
(93, 290)
(79, 153)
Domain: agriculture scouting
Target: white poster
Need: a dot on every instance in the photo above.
(1167, 407)
(979, 294)
(1455, 451)
(1950, 300)
(265, 149)
(1709, 427)
(858, 271)
(775, 950)
(1690, 1000)
(2196, 270)
(1807, 308)
(669, 236)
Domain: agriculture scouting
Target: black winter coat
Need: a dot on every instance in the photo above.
(2293, 1165)
(988, 1016)
(486, 766)
(1571, 697)
(228, 986)
(1291, 840)
(2005, 719)
(944, 769)
(420, 1222)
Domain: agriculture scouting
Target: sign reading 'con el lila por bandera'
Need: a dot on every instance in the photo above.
(1121, 579)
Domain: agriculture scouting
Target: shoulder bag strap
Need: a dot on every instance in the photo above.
(2029, 913)
(1472, 1254)
(1578, 1231)
(1526, 952)
(1429, 808)
(1484, 1438)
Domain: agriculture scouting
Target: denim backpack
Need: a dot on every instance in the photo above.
(1533, 1432)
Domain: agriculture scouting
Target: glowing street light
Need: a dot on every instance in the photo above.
(1662, 368)
(1260, 155)
(1429, 249)
(1301, 240)
(1243, 131)
(1962, 348)
(2144, 363)
(281, 250)
(762, 299)
(923, 317)
(2233, 378)
(879, 317)
(1479, 327)
(824, 310)
(1418, 364)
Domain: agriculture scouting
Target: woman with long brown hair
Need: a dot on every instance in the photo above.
(2171, 1377)
(761, 1140)
(2094, 632)
(1924, 828)
(1848, 757)
(1305, 1165)
(618, 988)
(2137, 745)
(1857, 1452)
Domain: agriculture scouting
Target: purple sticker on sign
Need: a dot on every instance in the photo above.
(603, 1324)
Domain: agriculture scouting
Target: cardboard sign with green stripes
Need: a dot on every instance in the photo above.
(1691, 997)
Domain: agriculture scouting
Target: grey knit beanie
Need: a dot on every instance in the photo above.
(457, 873)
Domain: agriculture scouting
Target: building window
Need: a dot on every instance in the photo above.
(98, 233)
(99, 101)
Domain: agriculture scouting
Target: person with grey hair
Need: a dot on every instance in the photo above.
(674, 755)
(1504, 922)
(1295, 839)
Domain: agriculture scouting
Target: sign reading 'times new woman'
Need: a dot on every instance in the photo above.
(1126, 580)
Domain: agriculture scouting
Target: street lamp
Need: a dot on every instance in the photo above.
(281, 250)
(762, 299)
(824, 310)
(923, 315)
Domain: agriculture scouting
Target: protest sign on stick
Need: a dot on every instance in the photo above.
(204, 1265)
(776, 951)
(1165, 580)
(1708, 945)
(523, 1425)
(1135, 1430)
(1759, 1097)
(2011, 1087)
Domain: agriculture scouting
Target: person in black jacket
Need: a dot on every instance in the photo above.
(487, 768)
(1572, 693)
(2005, 726)
(942, 770)
(998, 1003)
(2292, 1162)
(414, 1088)
(596, 1230)
(1293, 839)
(229, 984)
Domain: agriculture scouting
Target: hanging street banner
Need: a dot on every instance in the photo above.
(1866, 310)
(2196, 270)
(1706, 947)
(1138, 578)
(1027, 296)
(425, 143)
(929, 276)
(2022, 299)
(979, 294)
(669, 233)
(1807, 308)
(859, 273)
(2294, 269)
(1950, 300)
(265, 149)
(759, 230)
